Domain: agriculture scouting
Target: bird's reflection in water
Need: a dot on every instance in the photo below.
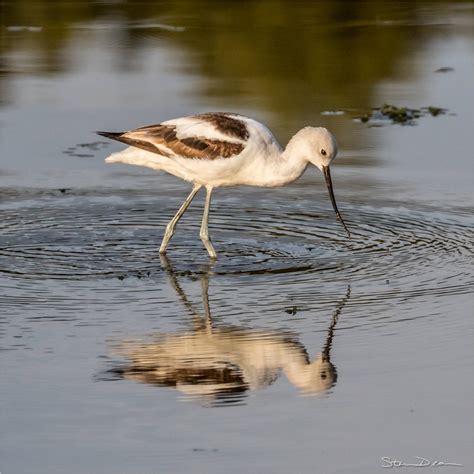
(218, 365)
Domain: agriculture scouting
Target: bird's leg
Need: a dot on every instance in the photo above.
(205, 301)
(204, 234)
(172, 223)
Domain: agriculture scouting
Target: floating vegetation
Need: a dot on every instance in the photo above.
(401, 115)
(445, 69)
(83, 150)
(434, 111)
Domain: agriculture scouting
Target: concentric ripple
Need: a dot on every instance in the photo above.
(84, 237)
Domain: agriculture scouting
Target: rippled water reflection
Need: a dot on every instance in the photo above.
(217, 365)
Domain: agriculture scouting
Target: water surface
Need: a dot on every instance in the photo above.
(299, 350)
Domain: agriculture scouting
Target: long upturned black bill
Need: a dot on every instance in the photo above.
(327, 176)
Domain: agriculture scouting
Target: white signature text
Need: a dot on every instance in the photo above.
(422, 462)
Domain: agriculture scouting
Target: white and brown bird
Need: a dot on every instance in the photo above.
(224, 149)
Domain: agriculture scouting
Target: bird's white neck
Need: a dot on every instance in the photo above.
(280, 166)
(293, 161)
(275, 166)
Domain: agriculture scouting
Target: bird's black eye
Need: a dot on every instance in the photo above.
(323, 152)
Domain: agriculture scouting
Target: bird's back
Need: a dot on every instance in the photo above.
(187, 146)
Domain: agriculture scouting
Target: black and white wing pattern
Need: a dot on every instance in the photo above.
(206, 136)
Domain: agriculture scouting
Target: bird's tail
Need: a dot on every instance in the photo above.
(122, 137)
(112, 135)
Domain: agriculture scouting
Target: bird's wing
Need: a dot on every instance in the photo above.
(206, 136)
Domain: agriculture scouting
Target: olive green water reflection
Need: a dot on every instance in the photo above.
(282, 62)
(293, 59)
(217, 365)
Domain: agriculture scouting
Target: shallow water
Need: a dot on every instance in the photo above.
(299, 349)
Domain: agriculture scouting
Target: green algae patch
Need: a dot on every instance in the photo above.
(400, 115)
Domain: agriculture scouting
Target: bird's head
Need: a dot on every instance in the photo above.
(322, 146)
(319, 147)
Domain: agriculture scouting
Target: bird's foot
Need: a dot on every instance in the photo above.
(210, 249)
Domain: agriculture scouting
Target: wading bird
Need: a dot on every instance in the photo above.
(224, 149)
